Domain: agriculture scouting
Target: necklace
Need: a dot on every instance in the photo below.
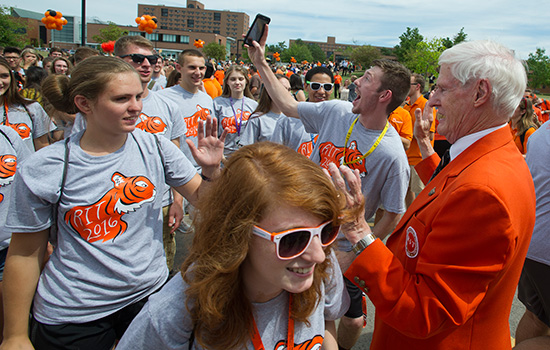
(376, 143)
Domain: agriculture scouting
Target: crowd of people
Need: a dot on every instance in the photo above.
(281, 168)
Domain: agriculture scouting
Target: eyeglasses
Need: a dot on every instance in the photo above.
(294, 242)
(139, 58)
(317, 86)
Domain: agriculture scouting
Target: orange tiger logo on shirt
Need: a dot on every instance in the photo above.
(22, 129)
(306, 148)
(332, 154)
(192, 122)
(229, 122)
(152, 125)
(8, 165)
(103, 219)
(312, 344)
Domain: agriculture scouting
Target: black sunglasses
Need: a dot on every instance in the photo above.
(139, 58)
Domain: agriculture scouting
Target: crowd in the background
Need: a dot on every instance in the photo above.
(104, 156)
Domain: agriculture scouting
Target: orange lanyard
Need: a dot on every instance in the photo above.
(257, 339)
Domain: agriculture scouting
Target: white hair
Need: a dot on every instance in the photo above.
(485, 59)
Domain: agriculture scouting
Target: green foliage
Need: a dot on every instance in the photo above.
(539, 69)
(12, 32)
(364, 55)
(386, 51)
(457, 39)
(214, 50)
(316, 52)
(299, 51)
(111, 33)
(280, 47)
(408, 42)
(424, 59)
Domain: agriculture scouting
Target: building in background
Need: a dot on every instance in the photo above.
(178, 28)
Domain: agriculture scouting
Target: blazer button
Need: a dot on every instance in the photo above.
(362, 284)
(356, 279)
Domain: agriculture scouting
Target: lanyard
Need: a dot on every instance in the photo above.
(312, 140)
(257, 339)
(376, 143)
(238, 121)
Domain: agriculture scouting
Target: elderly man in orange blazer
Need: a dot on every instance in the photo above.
(447, 276)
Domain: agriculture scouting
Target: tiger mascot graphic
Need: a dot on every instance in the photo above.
(312, 344)
(22, 129)
(8, 164)
(152, 125)
(192, 122)
(229, 122)
(306, 148)
(103, 219)
(332, 154)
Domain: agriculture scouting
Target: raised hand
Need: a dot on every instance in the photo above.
(209, 150)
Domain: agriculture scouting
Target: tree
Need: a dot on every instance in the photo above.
(111, 33)
(425, 58)
(280, 47)
(215, 50)
(12, 32)
(316, 52)
(457, 39)
(364, 55)
(408, 42)
(539, 69)
(299, 51)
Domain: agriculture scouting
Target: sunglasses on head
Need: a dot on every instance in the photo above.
(317, 86)
(294, 242)
(139, 58)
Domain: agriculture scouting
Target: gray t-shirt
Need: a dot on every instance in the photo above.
(12, 153)
(233, 114)
(291, 132)
(159, 83)
(536, 158)
(384, 173)
(30, 122)
(164, 322)
(109, 251)
(260, 127)
(193, 106)
(159, 116)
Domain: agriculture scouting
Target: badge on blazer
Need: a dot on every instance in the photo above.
(411, 243)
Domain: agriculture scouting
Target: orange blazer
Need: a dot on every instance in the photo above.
(447, 277)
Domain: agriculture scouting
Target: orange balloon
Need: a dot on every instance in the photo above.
(58, 15)
(44, 20)
(138, 19)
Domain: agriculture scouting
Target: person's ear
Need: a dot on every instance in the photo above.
(83, 104)
(483, 92)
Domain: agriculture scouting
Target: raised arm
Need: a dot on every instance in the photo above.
(279, 95)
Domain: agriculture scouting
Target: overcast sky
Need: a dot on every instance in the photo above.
(516, 24)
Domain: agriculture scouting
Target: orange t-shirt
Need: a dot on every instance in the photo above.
(337, 79)
(400, 119)
(413, 153)
(522, 147)
(219, 74)
(212, 87)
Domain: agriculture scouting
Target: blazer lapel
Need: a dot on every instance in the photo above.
(494, 140)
